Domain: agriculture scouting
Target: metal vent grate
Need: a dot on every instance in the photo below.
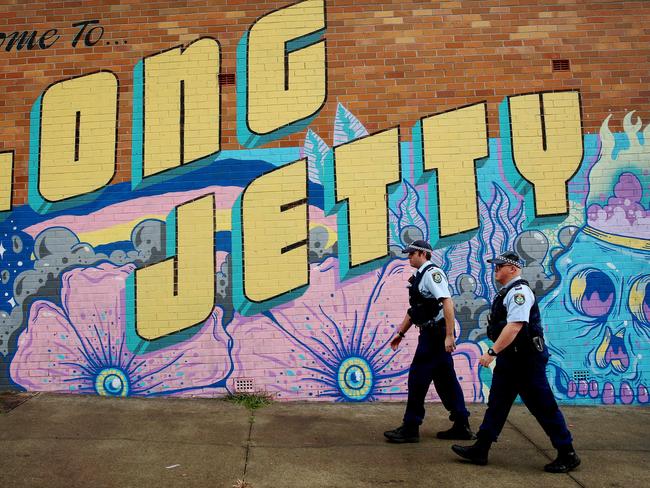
(561, 65)
(581, 376)
(226, 79)
(244, 385)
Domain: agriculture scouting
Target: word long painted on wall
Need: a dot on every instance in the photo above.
(282, 86)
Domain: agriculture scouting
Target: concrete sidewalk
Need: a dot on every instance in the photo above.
(85, 441)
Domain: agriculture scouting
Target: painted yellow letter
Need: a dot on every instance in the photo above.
(77, 136)
(178, 293)
(6, 179)
(181, 106)
(547, 145)
(453, 141)
(274, 230)
(286, 82)
(363, 169)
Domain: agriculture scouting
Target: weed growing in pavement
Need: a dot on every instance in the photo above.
(242, 484)
(251, 401)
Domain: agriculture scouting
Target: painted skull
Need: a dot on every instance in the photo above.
(597, 322)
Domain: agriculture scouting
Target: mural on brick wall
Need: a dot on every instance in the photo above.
(283, 267)
(65, 288)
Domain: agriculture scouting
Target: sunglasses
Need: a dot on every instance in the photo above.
(499, 266)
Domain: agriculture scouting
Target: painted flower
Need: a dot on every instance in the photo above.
(333, 341)
(80, 345)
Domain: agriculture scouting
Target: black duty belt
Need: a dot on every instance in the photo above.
(430, 324)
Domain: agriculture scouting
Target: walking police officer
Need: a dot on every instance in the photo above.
(521, 356)
(432, 310)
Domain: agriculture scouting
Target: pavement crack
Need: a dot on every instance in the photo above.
(541, 451)
(248, 443)
(115, 439)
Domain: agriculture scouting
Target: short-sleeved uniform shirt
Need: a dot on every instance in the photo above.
(518, 301)
(434, 284)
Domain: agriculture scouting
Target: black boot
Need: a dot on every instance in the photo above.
(404, 433)
(566, 460)
(477, 453)
(460, 431)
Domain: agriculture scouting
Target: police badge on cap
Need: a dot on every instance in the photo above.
(508, 258)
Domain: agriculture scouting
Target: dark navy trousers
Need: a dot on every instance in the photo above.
(432, 363)
(523, 374)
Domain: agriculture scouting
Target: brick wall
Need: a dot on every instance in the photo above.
(388, 62)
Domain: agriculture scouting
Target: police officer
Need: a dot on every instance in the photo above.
(432, 310)
(521, 356)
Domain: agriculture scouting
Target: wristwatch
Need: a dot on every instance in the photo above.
(491, 352)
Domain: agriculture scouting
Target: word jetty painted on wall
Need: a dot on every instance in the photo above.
(282, 85)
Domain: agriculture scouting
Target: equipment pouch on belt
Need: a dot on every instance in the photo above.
(538, 343)
(492, 332)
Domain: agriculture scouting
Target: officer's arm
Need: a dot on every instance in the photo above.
(507, 335)
(405, 325)
(401, 330)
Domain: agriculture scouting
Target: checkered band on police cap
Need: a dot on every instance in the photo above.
(508, 258)
(418, 245)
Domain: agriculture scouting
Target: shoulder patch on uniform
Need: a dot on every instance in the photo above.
(519, 298)
(437, 277)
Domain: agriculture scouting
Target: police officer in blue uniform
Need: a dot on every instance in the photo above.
(515, 327)
(432, 310)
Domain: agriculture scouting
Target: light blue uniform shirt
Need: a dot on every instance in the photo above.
(518, 301)
(434, 284)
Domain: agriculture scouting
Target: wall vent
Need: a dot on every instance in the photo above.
(561, 65)
(226, 79)
(581, 375)
(244, 385)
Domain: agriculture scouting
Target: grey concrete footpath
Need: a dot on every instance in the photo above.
(84, 441)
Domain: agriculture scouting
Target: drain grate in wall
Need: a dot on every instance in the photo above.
(581, 376)
(244, 385)
(561, 65)
(226, 79)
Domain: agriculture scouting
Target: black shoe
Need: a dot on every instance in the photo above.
(476, 454)
(458, 432)
(403, 434)
(563, 463)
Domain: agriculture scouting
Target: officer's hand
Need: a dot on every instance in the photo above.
(486, 359)
(450, 344)
(395, 342)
